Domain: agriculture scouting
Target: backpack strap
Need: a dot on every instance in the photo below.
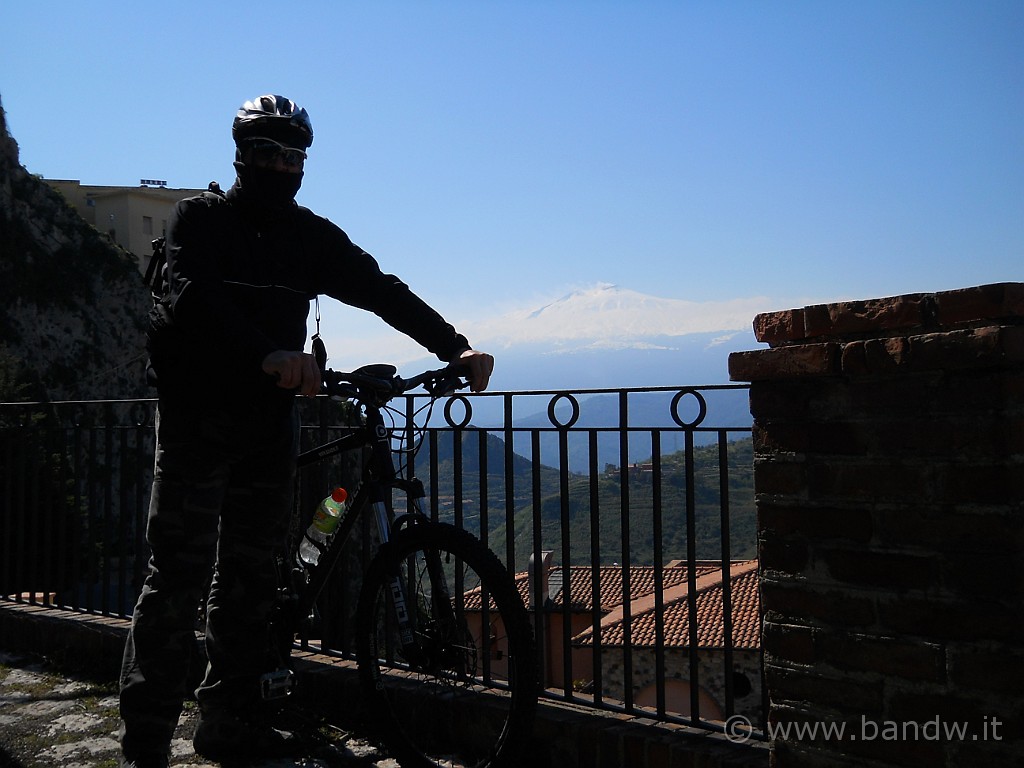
(156, 271)
(156, 274)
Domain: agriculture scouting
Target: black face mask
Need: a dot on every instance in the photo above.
(274, 189)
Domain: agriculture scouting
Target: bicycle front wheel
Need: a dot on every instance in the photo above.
(450, 676)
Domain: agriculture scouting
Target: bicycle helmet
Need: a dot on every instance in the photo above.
(273, 117)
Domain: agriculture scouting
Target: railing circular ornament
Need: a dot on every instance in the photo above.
(702, 406)
(466, 417)
(554, 404)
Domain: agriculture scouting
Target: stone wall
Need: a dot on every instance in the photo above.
(711, 672)
(72, 303)
(889, 479)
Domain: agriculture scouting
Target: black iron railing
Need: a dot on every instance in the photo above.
(624, 513)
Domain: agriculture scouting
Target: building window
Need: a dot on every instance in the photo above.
(147, 225)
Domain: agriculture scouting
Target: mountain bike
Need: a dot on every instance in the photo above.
(438, 614)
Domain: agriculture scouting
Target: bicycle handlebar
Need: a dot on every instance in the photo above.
(380, 383)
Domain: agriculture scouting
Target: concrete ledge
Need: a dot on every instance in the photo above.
(565, 735)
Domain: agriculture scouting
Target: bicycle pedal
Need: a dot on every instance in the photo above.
(277, 684)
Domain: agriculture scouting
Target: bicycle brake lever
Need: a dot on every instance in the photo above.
(446, 386)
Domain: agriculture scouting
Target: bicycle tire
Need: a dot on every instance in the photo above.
(489, 703)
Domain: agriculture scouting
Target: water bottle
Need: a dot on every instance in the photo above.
(325, 522)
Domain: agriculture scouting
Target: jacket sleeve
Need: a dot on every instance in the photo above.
(354, 277)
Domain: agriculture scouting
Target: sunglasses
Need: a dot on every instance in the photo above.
(267, 151)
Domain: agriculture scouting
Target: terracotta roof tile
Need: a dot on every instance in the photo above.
(581, 593)
(744, 594)
(746, 617)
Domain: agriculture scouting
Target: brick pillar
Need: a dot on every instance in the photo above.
(889, 477)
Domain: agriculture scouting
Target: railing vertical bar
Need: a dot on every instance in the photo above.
(92, 564)
(108, 505)
(566, 601)
(50, 511)
(691, 574)
(6, 520)
(22, 528)
(509, 477)
(76, 518)
(727, 640)
(122, 522)
(7, 540)
(457, 475)
(485, 623)
(145, 436)
(485, 491)
(659, 574)
(410, 440)
(435, 498)
(537, 576)
(624, 512)
(595, 565)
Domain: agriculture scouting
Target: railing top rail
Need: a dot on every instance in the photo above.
(43, 403)
(494, 393)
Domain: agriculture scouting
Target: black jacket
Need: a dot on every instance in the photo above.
(240, 283)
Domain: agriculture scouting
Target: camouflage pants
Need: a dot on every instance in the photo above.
(221, 502)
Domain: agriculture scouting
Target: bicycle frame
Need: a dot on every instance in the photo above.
(406, 616)
(374, 493)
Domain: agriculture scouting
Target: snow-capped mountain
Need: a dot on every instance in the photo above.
(606, 316)
(598, 336)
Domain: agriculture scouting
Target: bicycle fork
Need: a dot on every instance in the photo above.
(416, 631)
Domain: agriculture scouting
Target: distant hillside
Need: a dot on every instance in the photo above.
(72, 303)
(606, 489)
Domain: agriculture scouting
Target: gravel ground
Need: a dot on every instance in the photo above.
(50, 719)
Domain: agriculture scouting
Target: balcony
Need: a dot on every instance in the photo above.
(887, 457)
(623, 513)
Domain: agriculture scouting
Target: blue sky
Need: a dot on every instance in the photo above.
(497, 155)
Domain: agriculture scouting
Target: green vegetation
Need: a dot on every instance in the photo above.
(573, 507)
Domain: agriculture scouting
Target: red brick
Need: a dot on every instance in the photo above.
(877, 315)
(853, 360)
(1004, 753)
(817, 321)
(979, 483)
(883, 356)
(828, 689)
(895, 571)
(777, 477)
(989, 574)
(945, 440)
(915, 705)
(790, 642)
(877, 479)
(1000, 301)
(785, 362)
(816, 523)
(947, 530)
(910, 752)
(988, 668)
(949, 619)
(798, 602)
(787, 555)
(890, 656)
(779, 327)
